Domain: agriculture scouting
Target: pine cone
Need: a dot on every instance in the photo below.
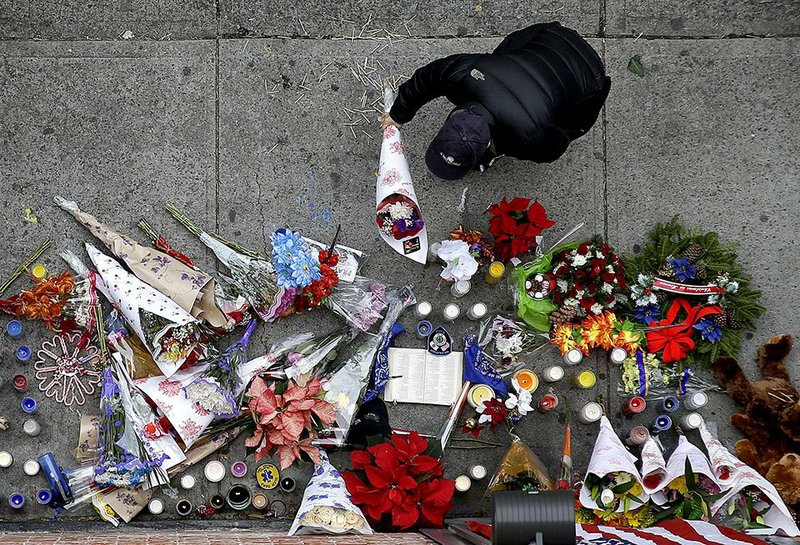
(732, 321)
(661, 296)
(666, 272)
(720, 320)
(693, 252)
(702, 272)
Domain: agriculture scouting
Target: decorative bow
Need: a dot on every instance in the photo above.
(676, 339)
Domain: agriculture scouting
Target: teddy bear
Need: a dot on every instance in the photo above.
(770, 421)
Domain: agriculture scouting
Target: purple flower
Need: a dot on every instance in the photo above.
(682, 268)
(648, 314)
(709, 330)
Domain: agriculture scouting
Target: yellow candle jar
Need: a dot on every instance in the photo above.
(495, 273)
(585, 380)
(478, 394)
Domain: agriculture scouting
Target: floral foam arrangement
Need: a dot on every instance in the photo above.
(689, 287)
(586, 281)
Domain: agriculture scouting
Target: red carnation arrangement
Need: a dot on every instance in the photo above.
(515, 225)
(315, 294)
(399, 486)
(587, 280)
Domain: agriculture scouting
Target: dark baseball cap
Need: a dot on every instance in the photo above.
(459, 145)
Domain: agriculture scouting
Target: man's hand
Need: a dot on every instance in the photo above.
(385, 120)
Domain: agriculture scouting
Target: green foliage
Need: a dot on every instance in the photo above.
(670, 240)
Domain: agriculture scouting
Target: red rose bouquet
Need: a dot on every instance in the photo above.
(400, 486)
(515, 224)
(316, 293)
(586, 281)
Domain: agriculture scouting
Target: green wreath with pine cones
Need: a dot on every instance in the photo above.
(700, 276)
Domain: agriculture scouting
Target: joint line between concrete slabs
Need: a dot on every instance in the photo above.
(216, 121)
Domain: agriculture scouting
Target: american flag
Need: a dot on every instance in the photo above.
(671, 532)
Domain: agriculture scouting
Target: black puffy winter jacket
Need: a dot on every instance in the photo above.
(542, 87)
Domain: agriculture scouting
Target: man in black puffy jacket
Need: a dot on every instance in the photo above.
(540, 89)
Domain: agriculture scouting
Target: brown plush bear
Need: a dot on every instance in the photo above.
(770, 421)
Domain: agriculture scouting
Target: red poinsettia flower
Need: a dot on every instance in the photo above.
(400, 481)
(515, 224)
(475, 430)
(493, 412)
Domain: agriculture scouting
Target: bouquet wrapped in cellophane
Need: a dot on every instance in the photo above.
(345, 384)
(124, 459)
(643, 374)
(507, 341)
(216, 389)
(361, 302)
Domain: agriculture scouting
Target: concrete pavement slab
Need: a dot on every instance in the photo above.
(288, 157)
(119, 127)
(271, 18)
(711, 19)
(709, 133)
(127, 19)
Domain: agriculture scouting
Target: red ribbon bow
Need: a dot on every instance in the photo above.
(676, 339)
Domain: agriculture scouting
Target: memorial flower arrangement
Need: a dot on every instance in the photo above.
(515, 224)
(479, 245)
(745, 510)
(216, 390)
(507, 341)
(614, 489)
(399, 217)
(604, 331)
(690, 289)
(690, 497)
(398, 486)
(586, 281)
(286, 418)
(458, 260)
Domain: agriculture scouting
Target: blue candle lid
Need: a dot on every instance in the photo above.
(44, 496)
(24, 353)
(14, 328)
(29, 405)
(16, 500)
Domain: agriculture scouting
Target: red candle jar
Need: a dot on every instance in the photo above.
(21, 383)
(634, 406)
(547, 403)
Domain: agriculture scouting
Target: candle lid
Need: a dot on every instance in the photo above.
(260, 501)
(463, 483)
(239, 469)
(586, 379)
(187, 482)
(6, 459)
(554, 373)
(496, 269)
(693, 420)
(424, 308)
(214, 471)
(31, 427)
(573, 356)
(31, 467)
(451, 311)
(478, 310)
(477, 472)
(592, 411)
(462, 286)
(28, 405)
(39, 271)
(14, 328)
(698, 399)
(156, 506)
(24, 353)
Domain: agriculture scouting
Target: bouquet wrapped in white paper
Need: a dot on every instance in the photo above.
(170, 334)
(612, 482)
(397, 211)
(326, 507)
